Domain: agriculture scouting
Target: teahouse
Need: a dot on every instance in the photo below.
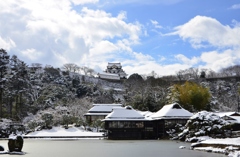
(127, 123)
(172, 114)
(124, 123)
(100, 111)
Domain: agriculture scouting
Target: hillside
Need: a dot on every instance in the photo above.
(48, 96)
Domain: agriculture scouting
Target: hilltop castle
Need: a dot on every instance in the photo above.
(114, 71)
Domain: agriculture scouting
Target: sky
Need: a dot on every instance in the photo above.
(163, 36)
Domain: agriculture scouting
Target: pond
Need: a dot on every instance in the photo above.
(107, 148)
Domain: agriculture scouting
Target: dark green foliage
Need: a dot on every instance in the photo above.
(52, 71)
(97, 124)
(82, 90)
(75, 82)
(147, 94)
(4, 60)
(48, 119)
(67, 119)
(150, 103)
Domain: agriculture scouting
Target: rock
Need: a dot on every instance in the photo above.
(182, 147)
(15, 144)
(1, 148)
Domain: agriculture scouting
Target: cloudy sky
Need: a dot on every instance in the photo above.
(164, 36)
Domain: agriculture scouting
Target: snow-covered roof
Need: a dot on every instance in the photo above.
(146, 113)
(222, 114)
(124, 113)
(103, 108)
(96, 114)
(104, 75)
(172, 111)
(107, 104)
(232, 119)
(116, 64)
(237, 118)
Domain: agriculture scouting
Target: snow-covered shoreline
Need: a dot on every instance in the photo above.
(228, 146)
(60, 132)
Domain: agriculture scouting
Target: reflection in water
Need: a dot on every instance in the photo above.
(108, 148)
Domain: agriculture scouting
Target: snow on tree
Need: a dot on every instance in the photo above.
(4, 61)
(203, 124)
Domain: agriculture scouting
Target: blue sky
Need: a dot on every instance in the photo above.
(164, 36)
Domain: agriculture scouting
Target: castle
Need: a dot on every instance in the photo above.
(114, 71)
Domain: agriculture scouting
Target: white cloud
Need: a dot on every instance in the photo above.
(7, 44)
(156, 24)
(144, 64)
(204, 31)
(78, 2)
(52, 32)
(187, 61)
(235, 6)
(32, 54)
(141, 2)
(217, 60)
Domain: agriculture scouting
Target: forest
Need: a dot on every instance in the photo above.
(46, 96)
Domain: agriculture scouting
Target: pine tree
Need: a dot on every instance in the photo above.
(4, 60)
(18, 87)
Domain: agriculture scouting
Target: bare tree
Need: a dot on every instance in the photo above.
(180, 75)
(36, 65)
(154, 74)
(191, 73)
(194, 73)
(210, 73)
(71, 67)
(231, 71)
(87, 71)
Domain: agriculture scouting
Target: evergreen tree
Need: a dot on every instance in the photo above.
(4, 61)
(18, 87)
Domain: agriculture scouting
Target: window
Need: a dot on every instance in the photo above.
(120, 124)
(149, 129)
(139, 124)
(127, 124)
(113, 124)
(124, 124)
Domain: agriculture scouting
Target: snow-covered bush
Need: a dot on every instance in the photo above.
(4, 127)
(48, 119)
(173, 133)
(205, 124)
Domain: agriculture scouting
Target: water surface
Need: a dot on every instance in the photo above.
(107, 148)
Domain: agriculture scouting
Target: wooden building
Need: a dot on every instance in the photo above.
(172, 114)
(127, 123)
(232, 117)
(100, 111)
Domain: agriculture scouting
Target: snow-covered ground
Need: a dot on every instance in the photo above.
(226, 141)
(65, 133)
(232, 146)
